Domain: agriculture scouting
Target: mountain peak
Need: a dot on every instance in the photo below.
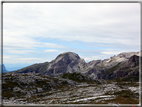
(68, 55)
(64, 62)
(128, 54)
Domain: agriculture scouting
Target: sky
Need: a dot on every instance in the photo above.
(38, 32)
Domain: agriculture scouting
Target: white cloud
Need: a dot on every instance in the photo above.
(87, 59)
(19, 51)
(14, 59)
(111, 53)
(51, 50)
(74, 21)
(25, 42)
(31, 60)
(110, 25)
(51, 45)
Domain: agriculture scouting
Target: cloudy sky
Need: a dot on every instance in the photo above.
(38, 32)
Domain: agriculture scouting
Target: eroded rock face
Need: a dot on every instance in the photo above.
(128, 69)
(65, 63)
(134, 61)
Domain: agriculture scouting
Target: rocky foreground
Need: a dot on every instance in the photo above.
(38, 89)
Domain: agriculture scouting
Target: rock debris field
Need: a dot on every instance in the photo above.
(39, 89)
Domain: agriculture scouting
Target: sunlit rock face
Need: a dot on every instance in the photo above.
(67, 62)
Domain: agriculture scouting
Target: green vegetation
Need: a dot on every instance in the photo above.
(8, 89)
(78, 77)
(131, 79)
(119, 100)
(125, 97)
(128, 78)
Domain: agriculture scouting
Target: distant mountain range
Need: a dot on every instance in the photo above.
(124, 65)
(4, 69)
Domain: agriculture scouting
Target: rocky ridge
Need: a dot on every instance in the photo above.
(70, 62)
(126, 69)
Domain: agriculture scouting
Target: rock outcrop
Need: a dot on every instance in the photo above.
(124, 70)
(67, 62)
(29, 84)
